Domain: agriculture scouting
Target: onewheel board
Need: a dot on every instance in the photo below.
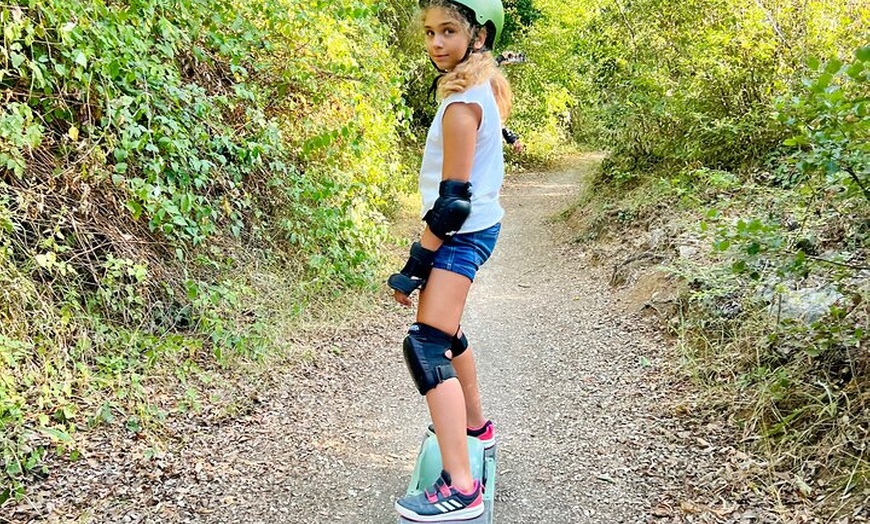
(428, 468)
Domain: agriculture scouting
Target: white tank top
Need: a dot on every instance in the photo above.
(487, 172)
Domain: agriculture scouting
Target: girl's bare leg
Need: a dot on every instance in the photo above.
(441, 306)
(466, 371)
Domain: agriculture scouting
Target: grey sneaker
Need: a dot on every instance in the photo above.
(442, 502)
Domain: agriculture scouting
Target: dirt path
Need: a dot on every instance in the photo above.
(572, 383)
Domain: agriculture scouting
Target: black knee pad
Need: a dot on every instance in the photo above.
(425, 351)
(458, 345)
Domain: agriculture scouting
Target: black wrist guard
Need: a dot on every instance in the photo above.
(415, 272)
(451, 209)
(509, 136)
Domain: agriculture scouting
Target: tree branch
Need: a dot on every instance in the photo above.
(773, 23)
(839, 264)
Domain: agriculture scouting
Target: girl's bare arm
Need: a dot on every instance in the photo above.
(460, 123)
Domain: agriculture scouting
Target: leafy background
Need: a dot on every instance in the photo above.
(165, 167)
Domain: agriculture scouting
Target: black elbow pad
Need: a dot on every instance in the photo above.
(450, 210)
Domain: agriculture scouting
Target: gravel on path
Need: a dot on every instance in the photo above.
(577, 388)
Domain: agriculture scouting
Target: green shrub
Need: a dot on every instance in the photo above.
(150, 153)
(830, 122)
(676, 84)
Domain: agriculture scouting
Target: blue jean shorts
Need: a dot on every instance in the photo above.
(464, 253)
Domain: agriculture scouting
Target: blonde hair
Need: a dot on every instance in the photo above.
(479, 67)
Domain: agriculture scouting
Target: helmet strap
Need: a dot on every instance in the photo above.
(433, 89)
(442, 71)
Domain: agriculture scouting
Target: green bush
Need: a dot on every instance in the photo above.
(150, 153)
(721, 106)
(676, 84)
(780, 314)
(830, 123)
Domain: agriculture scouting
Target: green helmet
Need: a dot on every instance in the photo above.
(483, 13)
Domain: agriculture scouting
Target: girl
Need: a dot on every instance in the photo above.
(460, 179)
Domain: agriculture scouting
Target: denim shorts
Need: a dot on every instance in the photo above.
(464, 253)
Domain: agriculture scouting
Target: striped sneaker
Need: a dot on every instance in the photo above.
(442, 502)
(485, 433)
